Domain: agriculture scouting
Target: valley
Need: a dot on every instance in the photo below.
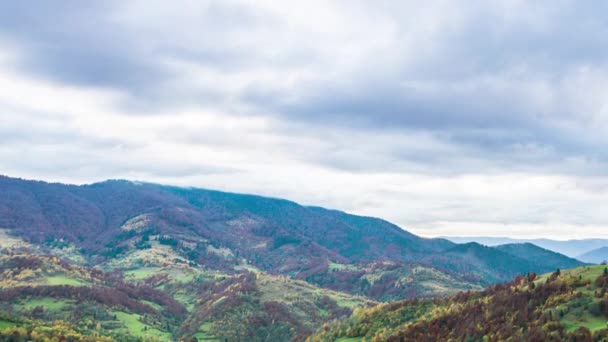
(130, 261)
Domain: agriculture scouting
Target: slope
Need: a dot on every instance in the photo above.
(36, 292)
(485, 264)
(545, 259)
(116, 221)
(570, 305)
(267, 231)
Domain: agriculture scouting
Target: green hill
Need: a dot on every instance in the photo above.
(42, 294)
(569, 305)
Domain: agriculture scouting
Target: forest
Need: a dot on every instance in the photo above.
(567, 305)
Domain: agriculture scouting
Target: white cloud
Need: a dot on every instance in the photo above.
(452, 118)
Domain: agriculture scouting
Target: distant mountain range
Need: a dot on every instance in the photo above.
(195, 262)
(595, 256)
(571, 248)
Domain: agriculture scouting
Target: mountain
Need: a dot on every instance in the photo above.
(501, 263)
(98, 217)
(153, 261)
(595, 256)
(561, 306)
(571, 248)
(545, 259)
(227, 231)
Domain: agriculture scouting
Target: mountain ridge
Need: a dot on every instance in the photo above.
(571, 248)
(595, 256)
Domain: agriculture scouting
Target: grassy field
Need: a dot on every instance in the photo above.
(50, 304)
(142, 273)
(7, 324)
(585, 272)
(590, 322)
(204, 335)
(139, 329)
(63, 280)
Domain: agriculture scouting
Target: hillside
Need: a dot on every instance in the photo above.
(545, 259)
(497, 264)
(569, 305)
(152, 261)
(266, 231)
(114, 220)
(595, 256)
(38, 292)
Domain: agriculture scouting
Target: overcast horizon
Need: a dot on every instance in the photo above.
(452, 118)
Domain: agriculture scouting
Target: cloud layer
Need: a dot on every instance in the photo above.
(448, 118)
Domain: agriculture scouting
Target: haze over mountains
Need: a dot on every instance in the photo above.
(595, 256)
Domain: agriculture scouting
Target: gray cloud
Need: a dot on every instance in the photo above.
(387, 92)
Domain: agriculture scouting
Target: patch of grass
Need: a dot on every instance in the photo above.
(349, 339)
(63, 280)
(586, 273)
(203, 333)
(142, 273)
(333, 266)
(7, 324)
(590, 322)
(49, 304)
(348, 303)
(187, 300)
(136, 328)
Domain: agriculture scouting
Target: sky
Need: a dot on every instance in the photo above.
(448, 118)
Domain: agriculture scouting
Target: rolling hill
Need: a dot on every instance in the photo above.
(148, 261)
(168, 303)
(561, 306)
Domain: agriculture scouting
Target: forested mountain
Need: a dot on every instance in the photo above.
(571, 248)
(151, 261)
(561, 306)
(544, 258)
(264, 230)
(500, 263)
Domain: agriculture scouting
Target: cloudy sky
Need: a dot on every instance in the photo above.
(445, 117)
